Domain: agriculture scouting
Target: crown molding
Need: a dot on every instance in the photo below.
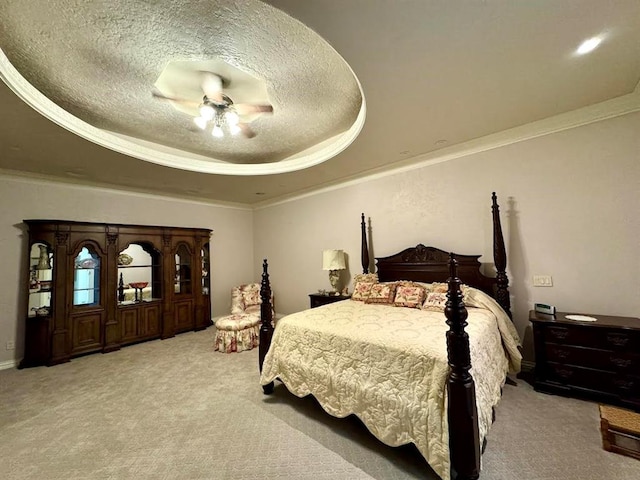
(43, 179)
(615, 107)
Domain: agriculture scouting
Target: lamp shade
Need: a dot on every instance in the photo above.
(333, 260)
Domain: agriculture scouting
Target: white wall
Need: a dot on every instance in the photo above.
(570, 206)
(231, 240)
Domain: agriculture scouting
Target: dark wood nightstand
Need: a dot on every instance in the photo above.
(317, 299)
(596, 360)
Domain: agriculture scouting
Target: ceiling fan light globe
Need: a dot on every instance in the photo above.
(207, 112)
(201, 122)
(217, 132)
(232, 118)
(234, 129)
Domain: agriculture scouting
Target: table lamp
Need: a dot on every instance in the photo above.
(333, 260)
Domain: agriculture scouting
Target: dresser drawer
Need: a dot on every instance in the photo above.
(592, 379)
(611, 360)
(593, 337)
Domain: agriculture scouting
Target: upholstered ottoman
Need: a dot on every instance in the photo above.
(237, 332)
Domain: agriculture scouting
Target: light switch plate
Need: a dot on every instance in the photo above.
(542, 281)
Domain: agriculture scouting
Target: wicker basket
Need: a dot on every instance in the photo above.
(620, 431)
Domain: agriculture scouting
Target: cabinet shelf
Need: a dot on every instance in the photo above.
(138, 266)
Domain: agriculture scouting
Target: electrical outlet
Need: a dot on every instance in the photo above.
(542, 281)
(11, 345)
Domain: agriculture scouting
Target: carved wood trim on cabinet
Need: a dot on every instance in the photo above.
(63, 330)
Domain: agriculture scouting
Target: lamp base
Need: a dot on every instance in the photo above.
(334, 280)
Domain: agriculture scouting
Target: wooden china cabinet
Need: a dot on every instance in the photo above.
(95, 287)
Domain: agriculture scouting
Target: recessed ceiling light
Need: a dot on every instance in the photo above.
(588, 45)
(260, 193)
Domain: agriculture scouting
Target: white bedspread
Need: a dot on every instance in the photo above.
(388, 365)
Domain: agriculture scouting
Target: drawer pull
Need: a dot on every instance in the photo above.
(623, 383)
(559, 333)
(617, 339)
(561, 353)
(563, 372)
(620, 362)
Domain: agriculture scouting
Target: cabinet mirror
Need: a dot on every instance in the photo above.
(139, 274)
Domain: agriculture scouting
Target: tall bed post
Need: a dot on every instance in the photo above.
(266, 317)
(364, 249)
(464, 435)
(500, 259)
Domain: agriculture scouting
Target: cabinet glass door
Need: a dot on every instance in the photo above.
(183, 270)
(139, 275)
(40, 280)
(86, 278)
(206, 281)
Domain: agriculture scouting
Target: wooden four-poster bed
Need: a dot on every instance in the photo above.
(445, 396)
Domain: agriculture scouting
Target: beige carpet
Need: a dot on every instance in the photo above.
(175, 409)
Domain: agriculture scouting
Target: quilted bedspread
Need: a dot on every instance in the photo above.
(388, 366)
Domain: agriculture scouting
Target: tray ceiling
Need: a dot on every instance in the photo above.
(438, 76)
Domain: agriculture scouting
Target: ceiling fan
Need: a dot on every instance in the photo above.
(217, 110)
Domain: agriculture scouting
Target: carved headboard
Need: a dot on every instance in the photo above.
(429, 264)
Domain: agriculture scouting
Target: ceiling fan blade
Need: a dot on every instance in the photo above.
(162, 96)
(247, 108)
(212, 86)
(246, 130)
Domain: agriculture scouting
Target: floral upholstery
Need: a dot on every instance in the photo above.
(238, 296)
(361, 290)
(241, 330)
(435, 302)
(382, 293)
(237, 332)
(410, 295)
(362, 283)
(366, 277)
(436, 299)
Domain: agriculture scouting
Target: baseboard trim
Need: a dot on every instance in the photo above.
(8, 364)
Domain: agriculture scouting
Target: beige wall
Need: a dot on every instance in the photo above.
(231, 241)
(570, 207)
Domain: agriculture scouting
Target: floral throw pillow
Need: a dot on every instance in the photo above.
(251, 296)
(409, 295)
(361, 291)
(366, 277)
(439, 287)
(382, 293)
(237, 303)
(435, 301)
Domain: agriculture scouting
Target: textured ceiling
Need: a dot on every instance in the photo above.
(99, 61)
(435, 74)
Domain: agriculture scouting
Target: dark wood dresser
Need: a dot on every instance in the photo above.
(594, 360)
